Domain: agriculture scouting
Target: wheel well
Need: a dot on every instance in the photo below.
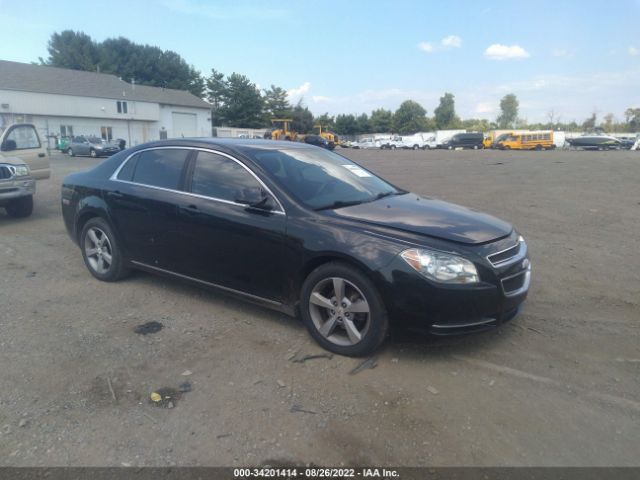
(82, 220)
(316, 262)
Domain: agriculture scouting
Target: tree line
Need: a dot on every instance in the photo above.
(238, 102)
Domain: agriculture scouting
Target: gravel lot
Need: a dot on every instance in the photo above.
(560, 385)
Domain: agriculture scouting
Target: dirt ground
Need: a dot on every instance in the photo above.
(560, 385)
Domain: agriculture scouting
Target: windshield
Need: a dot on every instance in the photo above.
(502, 137)
(321, 179)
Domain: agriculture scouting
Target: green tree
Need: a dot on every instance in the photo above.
(216, 92)
(326, 120)
(632, 116)
(509, 111)
(445, 112)
(242, 104)
(381, 120)
(590, 123)
(410, 117)
(346, 124)
(363, 123)
(302, 118)
(74, 50)
(276, 103)
(144, 64)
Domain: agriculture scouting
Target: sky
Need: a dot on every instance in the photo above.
(352, 56)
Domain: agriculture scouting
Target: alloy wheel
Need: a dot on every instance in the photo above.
(98, 251)
(339, 310)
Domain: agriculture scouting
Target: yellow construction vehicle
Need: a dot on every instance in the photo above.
(281, 129)
(328, 136)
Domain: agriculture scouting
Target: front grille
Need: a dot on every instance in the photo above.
(514, 283)
(5, 172)
(505, 255)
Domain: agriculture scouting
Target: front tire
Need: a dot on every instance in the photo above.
(70, 152)
(20, 207)
(101, 252)
(92, 153)
(343, 310)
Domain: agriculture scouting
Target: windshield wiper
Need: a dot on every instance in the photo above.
(340, 204)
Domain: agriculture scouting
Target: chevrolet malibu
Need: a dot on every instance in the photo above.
(302, 230)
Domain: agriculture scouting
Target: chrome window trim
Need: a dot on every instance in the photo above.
(204, 282)
(114, 177)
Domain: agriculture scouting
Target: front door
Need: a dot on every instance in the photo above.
(27, 147)
(223, 241)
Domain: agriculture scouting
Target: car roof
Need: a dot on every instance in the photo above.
(238, 144)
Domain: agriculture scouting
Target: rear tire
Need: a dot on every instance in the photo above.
(101, 253)
(20, 207)
(343, 310)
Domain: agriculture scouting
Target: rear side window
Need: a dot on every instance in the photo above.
(219, 177)
(160, 168)
(126, 172)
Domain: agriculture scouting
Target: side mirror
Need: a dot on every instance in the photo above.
(9, 145)
(254, 197)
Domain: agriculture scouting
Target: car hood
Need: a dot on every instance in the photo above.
(429, 217)
(11, 160)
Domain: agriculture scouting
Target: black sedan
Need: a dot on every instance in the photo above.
(302, 230)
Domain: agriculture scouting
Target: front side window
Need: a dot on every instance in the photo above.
(219, 177)
(319, 178)
(160, 168)
(24, 136)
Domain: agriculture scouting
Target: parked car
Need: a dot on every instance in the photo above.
(23, 160)
(464, 140)
(365, 143)
(91, 146)
(319, 141)
(299, 229)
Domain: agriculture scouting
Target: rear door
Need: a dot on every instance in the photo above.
(22, 141)
(224, 242)
(143, 199)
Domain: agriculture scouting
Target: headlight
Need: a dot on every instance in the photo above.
(21, 170)
(441, 267)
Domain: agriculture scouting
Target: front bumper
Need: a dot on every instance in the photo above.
(16, 188)
(417, 304)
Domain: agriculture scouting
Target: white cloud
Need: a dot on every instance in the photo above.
(633, 51)
(498, 51)
(203, 9)
(320, 98)
(301, 90)
(452, 41)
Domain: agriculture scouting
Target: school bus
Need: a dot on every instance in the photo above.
(527, 141)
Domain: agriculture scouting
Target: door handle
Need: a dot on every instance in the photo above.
(115, 194)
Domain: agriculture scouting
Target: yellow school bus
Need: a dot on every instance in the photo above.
(528, 141)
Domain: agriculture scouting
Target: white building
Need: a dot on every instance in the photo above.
(62, 102)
